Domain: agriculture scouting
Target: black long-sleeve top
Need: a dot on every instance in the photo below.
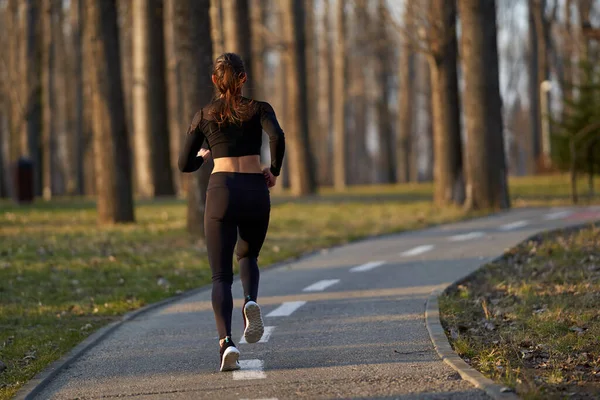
(233, 140)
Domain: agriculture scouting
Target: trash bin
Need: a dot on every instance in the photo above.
(23, 181)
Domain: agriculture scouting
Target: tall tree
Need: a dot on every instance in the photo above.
(111, 147)
(76, 100)
(238, 36)
(258, 11)
(312, 80)
(485, 164)
(447, 148)
(151, 145)
(534, 87)
(325, 96)
(302, 178)
(383, 71)
(89, 167)
(64, 179)
(216, 21)
(26, 85)
(174, 95)
(406, 76)
(191, 23)
(48, 96)
(340, 96)
(125, 14)
(424, 134)
(3, 186)
(358, 171)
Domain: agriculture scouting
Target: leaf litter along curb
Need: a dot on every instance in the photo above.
(531, 320)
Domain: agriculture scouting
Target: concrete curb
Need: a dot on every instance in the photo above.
(440, 340)
(442, 347)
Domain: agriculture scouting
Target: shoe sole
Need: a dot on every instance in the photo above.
(254, 323)
(230, 359)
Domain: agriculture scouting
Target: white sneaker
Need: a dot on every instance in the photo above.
(254, 326)
(230, 357)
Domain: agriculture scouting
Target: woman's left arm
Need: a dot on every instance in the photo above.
(189, 161)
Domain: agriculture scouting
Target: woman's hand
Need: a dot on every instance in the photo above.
(269, 177)
(204, 153)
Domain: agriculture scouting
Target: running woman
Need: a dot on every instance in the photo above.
(238, 204)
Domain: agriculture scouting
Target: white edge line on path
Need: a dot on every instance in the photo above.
(320, 285)
(265, 337)
(286, 309)
(417, 250)
(250, 369)
(367, 267)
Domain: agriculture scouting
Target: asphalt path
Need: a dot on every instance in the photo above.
(344, 323)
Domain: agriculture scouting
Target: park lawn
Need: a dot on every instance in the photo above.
(62, 277)
(531, 320)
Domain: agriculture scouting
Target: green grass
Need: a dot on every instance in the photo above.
(531, 320)
(62, 277)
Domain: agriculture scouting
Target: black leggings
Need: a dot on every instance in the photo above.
(237, 209)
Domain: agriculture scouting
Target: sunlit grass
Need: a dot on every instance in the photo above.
(544, 337)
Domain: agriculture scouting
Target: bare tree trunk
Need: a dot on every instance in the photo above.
(358, 165)
(111, 147)
(89, 168)
(541, 30)
(340, 98)
(486, 168)
(312, 80)
(149, 109)
(238, 36)
(534, 91)
(216, 21)
(174, 95)
(406, 74)
(3, 167)
(64, 182)
(447, 147)
(125, 14)
(382, 73)
(300, 159)
(258, 12)
(324, 100)
(77, 93)
(29, 84)
(427, 123)
(48, 97)
(141, 60)
(191, 21)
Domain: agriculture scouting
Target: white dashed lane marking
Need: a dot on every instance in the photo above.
(466, 236)
(514, 225)
(368, 266)
(557, 215)
(250, 369)
(286, 309)
(265, 337)
(321, 285)
(417, 250)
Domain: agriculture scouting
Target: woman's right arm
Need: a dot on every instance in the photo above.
(271, 126)
(189, 161)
